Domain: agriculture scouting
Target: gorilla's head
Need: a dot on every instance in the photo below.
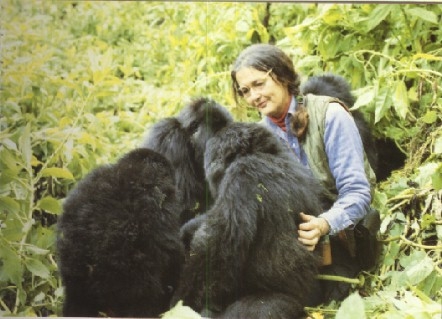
(202, 118)
(330, 85)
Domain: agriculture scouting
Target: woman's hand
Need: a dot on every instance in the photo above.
(311, 230)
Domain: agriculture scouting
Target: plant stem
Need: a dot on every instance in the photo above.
(339, 278)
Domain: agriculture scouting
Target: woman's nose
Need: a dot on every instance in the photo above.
(254, 94)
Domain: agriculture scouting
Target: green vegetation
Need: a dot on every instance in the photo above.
(82, 81)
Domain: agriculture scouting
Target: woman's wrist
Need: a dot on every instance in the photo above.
(324, 227)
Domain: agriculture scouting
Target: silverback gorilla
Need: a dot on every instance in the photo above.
(245, 260)
(118, 239)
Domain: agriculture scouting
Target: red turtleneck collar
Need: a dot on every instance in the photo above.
(280, 121)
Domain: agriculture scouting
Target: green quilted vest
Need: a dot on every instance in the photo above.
(313, 144)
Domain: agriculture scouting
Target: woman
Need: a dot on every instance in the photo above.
(264, 77)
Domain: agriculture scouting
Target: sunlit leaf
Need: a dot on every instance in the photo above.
(57, 172)
(436, 178)
(11, 265)
(50, 204)
(426, 172)
(9, 204)
(9, 144)
(423, 14)
(382, 102)
(438, 145)
(36, 250)
(400, 99)
(352, 307)
(37, 268)
(10, 159)
(430, 117)
(378, 15)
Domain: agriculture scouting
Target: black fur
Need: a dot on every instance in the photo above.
(177, 139)
(169, 138)
(118, 239)
(245, 259)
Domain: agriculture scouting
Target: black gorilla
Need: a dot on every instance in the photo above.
(118, 239)
(169, 138)
(173, 138)
(245, 259)
(382, 153)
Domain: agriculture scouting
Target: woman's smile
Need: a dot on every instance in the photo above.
(262, 90)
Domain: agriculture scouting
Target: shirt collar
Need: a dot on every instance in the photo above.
(293, 105)
(274, 127)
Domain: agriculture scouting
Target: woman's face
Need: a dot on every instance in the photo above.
(259, 90)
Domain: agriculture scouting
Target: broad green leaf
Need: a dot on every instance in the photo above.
(418, 266)
(352, 307)
(400, 99)
(9, 144)
(332, 16)
(423, 14)
(430, 117)
(379, 14)
(36, 250)
(436, 178)
(10, 160)
(57, 172)
(37, 268)
(7, 176)
(382, 103)
(9, 204)
(364, 99)
(39, 297)
(12, 228)
(425, 173)
(11, 269)
(50, 205)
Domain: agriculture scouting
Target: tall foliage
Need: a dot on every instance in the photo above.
(82, 81)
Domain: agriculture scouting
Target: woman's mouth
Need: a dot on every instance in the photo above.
(262, 105)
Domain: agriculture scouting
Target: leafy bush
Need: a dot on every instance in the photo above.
(82, 81)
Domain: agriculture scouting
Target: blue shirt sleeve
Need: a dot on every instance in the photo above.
(344, 150)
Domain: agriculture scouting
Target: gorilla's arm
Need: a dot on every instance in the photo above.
(220, 247)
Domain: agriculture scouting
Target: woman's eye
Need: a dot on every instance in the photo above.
(244, 91)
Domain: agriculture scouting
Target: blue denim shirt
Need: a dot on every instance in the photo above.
(341, 137)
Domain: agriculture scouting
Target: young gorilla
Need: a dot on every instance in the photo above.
(118, 239)
(169, 138)
(383, 154)
(172, 137)
(245, 259)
